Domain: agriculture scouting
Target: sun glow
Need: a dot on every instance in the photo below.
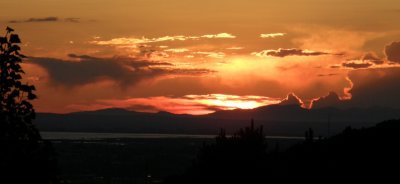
(229, 102)
(233, 104)
(188, 104)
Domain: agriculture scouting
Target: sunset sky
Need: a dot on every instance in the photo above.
(199, 56)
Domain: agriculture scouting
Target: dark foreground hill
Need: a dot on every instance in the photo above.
(276, 119)
(353, 155)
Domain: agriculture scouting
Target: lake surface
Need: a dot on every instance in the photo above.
(96, 136)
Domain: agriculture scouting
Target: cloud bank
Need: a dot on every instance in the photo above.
(83, 69)
(375, 87)
(392, 52)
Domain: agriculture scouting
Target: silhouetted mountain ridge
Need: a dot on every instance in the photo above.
(270, 112)
(277, 119)
(108, 111)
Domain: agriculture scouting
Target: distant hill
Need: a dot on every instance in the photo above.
(356, 154)
(289, 120)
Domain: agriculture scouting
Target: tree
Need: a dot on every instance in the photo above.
(24, 156)
(16, 112)
(240, 158)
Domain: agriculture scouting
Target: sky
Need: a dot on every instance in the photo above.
(200, 56)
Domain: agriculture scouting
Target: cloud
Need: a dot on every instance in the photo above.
(220, 35)
(372, 57)
(178, 50)
(83, 69)
(235, 48)
(327, 75)
(335, 66)
(372, 87)
(272, 35)
(392, 52)
(375, 87)
(72, 19)
(151, 53)
(218, 55)
(357, 64)
(187, 104)
(288, 52)
(367, 60)
(144, 40)
(46, 19)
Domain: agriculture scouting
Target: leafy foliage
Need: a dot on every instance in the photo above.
(24, 156)
(16, 111)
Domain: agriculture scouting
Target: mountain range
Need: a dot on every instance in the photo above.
(285, 119)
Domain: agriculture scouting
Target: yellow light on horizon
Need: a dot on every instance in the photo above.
(229, 102)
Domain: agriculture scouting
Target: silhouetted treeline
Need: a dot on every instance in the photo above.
(361, 154)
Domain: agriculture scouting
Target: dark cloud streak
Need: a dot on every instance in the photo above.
(47, 19)
(123, 70)
(327, 75)
(72, 19)
(293, 52)
(355, 65)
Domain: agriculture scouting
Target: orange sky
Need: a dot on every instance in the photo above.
(200, 56)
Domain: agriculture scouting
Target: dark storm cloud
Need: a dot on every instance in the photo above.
(372, 87)
(47, 19)
(392, 52)
(375, 87)
(123, 70)
(355, 65)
